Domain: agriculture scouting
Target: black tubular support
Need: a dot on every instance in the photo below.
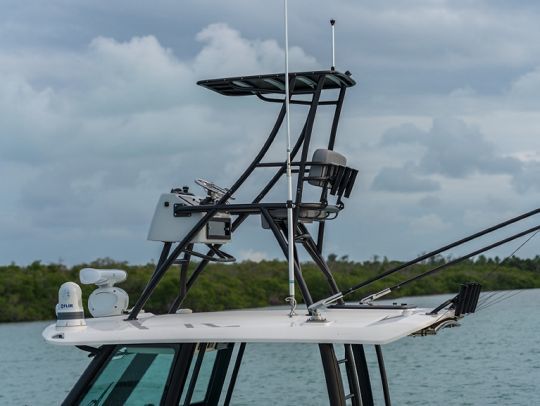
(384, 379)
(310, 247)
(305, 149)
(234, 375)
(332, 374)
(184, 270)
(320, 237)
(180, 373)
(335, 121)
(195, 373)
(352, 376)
(363, 374)
(88, 375)
(303, 102)
(164, 253)
(160, 271)
(219, 373)
(283, 244)
(242, 211)
(331, 143)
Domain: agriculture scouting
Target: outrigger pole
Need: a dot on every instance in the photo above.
(332, 299)
(290, 226)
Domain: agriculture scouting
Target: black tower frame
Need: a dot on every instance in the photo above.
(311, 84)
(306, 89)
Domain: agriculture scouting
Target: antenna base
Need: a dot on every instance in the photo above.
(292, 303)
(316, 317)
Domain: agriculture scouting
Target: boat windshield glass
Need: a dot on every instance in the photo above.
(202, 380)
(133, 376)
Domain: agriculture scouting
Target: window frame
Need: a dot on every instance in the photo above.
(112, 350)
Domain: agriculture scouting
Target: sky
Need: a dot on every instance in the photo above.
(100, 114)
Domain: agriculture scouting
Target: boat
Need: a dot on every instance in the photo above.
(144, 358)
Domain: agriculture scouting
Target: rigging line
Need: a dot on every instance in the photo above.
(442, 249)
(446, 265)
(331, 299)
(492, 299)
(505, 296)
(486, 297)
(500, 299)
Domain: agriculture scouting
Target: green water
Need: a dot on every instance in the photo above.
(493, 359)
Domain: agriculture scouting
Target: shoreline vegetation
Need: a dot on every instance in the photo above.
(30, 293)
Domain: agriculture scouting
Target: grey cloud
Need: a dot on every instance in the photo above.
(430, 202)
(99, 112)
(124, 124)
(529, 178)
(404, 180)
(452, 148)
(406, 133)
(524, 90)
(456, 149)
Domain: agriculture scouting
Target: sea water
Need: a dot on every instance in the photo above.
(492, 359)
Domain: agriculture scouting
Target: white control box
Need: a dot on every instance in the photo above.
(168, 227)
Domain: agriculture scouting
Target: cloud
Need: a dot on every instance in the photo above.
(109, 128)
(227, 53)
(428, 223)
(524, 90)
(451, 148)
(406, 133)
(529, 178)
(253, 255)
(456, 149)
(99, 113)
(403, 179)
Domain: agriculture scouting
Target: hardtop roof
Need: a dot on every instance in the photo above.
(305, 83)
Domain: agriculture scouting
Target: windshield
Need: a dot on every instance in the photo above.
(133, 376)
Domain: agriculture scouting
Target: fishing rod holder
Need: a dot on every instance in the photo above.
(464, 302)
(369, 299)
(314, 309)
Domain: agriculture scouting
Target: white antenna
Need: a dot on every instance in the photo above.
(333, 23)
(291, 299)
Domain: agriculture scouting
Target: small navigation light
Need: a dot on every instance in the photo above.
(69, 310)
(107, 299)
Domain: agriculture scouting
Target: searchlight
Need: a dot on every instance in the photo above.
(107, 300)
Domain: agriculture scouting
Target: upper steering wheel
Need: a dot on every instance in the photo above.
(212, 189)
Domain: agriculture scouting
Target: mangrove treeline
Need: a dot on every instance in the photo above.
(30, 292)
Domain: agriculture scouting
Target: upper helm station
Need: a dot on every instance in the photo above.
(184, 222)
(184, 219)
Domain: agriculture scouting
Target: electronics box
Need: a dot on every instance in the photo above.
(167, 227)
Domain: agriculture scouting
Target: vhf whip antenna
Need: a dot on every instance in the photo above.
(333, 24)
(291, 299)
